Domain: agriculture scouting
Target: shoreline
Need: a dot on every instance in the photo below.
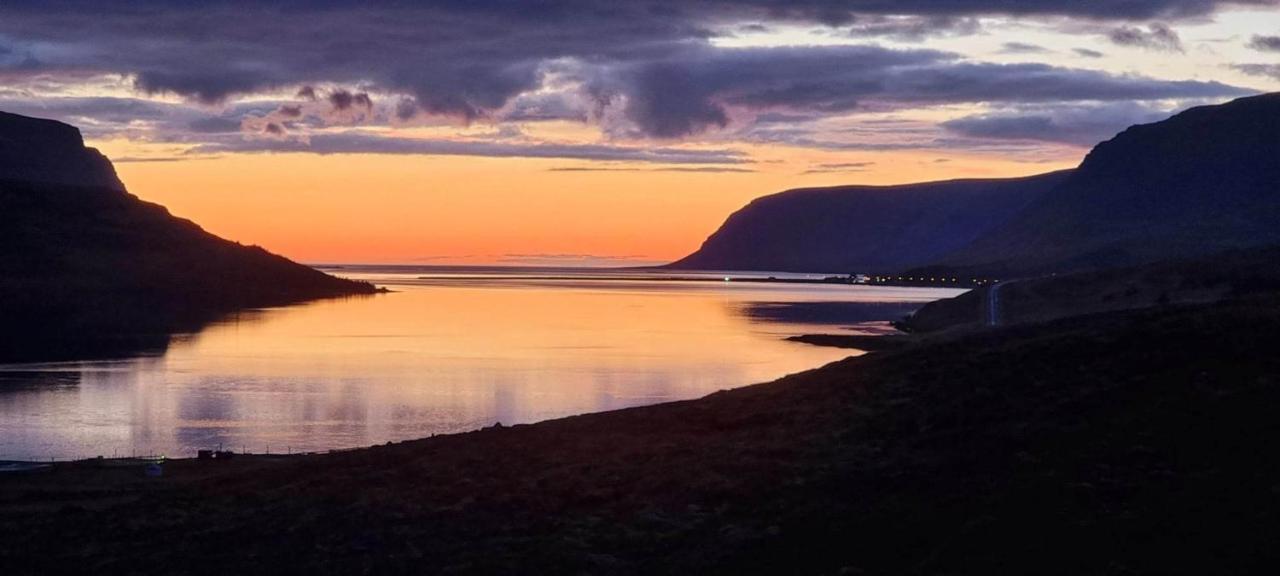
(865, 343)
(936, 457)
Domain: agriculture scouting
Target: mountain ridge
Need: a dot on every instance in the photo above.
(1204, 180)
(88, 269)
(46, 151)
(860, 228)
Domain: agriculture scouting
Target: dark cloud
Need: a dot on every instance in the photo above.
(696, 169)
(646, 68)
(785, 118)
(667, 102)
(465, 59)
(1087, 53)
(1080, 125)
(1157, 36)
(147, 160)
(838, 168)
(1265, 43)
(544, 106)
(214, 125)
(204, 87)
(912, 28)
(845, 165)
(574, 259)
(15, 59)
(345, 100)
(1022, 48)
(370, 143)
(1266, 70)
(104, 110)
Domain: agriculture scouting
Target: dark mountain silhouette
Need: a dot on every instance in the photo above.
(47, 151)
(1203, 181)
(87, 268)
(864, 228)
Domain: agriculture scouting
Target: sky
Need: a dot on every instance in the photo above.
(593, 132)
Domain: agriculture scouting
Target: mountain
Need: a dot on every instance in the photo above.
(50, 152)
(864, 228)
(1200, 182)
(87, 268)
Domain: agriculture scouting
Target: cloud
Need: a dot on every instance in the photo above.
(284, 72)
(1022, 48)
(1079, 125)
(670, 100)
(203, 87)
(838, 167)
(835, 12)
(1087, 53)
(1265, 70)
(143, 160)
(695, 169)
(664, 100)
(1265, 43)
(16, 59)
(1157, 36)
(912, 28)
(214, 125)
(345, 100)
(570, 259)
(369, 143)
(465, 60)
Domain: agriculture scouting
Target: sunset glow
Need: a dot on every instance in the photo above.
(599, 158)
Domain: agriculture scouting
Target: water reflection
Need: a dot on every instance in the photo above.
(436, 356)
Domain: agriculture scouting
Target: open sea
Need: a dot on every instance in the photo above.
(451, 349)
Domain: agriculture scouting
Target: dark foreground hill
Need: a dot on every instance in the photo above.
(86, 268)
(1124, 443)
(1230, 274)
(864, 228)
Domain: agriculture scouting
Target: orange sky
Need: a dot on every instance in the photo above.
(456, 209)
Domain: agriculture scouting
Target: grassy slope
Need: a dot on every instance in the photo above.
(1117, 443)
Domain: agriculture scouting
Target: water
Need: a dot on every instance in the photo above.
(450, 350)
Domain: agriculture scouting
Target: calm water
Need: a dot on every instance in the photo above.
(451, 350)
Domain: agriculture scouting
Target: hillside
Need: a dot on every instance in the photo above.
(1225, 275)
(50, 152)
(864, 228)
(1203, 181)
(1200, 182)
(86, 267)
